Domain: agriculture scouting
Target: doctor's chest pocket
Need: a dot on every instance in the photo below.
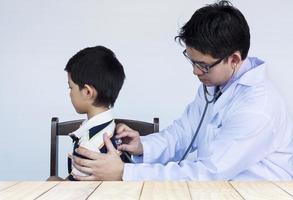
(215, 125)
(213, 129)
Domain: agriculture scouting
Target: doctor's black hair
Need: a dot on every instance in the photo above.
(98, 67)
(217, 29)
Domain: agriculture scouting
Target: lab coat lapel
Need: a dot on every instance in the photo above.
(252, 77)
(223, 100)
(211, 122)
(203, 138)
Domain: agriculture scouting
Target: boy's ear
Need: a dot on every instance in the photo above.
(89, 92)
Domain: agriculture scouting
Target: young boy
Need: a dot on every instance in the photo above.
(95, 77)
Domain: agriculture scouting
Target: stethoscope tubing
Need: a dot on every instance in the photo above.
(201, 120)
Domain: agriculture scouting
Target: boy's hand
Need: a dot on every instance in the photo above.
(130, 140)
(101, 166)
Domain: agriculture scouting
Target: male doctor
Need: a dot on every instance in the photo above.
(237, 125)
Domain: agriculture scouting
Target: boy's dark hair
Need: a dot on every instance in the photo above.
(217, 29)
(99, 68)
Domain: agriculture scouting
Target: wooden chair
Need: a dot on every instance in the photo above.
(64, 128)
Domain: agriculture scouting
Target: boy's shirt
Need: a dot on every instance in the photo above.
(90, 136)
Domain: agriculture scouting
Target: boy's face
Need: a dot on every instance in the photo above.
(77, 97)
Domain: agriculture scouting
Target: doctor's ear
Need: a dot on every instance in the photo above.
(235, 59)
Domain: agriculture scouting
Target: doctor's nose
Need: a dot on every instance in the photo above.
(197, 71)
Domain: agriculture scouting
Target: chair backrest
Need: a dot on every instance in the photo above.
(64, 128)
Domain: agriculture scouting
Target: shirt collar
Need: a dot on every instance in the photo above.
(256, 73)
(96, 120)
(249, 66)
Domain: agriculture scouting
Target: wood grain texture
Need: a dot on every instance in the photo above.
(118, 190)
(4, 185)
(165, 190)
(148, 190)
(260, 190)
(71, 190)
(26, 190)
(286, 185)
(212, 190)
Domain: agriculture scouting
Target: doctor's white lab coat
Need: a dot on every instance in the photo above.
(246, 135)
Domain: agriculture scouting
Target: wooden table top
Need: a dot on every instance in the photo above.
(146, 190)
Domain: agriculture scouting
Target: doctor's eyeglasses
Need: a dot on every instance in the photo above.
(203, 67)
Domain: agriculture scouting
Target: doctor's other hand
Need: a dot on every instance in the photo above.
(100, 166)
(130, 140)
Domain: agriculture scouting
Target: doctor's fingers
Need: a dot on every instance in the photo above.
(82, 162)
(132, 149)
(125, 147)
(87, 153)
(130, 134)
(83, 169)
(122, 127)
(85, 178)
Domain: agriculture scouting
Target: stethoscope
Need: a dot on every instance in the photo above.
(216, 95)
(206, 93)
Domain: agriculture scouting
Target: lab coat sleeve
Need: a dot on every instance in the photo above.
(244, 139)
(171, 143)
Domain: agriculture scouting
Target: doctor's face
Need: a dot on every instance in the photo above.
(210, 71)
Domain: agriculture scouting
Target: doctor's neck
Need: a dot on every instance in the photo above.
(235, 69)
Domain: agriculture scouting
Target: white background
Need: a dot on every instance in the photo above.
(38, 37)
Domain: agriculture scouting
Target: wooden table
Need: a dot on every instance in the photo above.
(146, 190)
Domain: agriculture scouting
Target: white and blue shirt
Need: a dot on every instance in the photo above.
(90, 136)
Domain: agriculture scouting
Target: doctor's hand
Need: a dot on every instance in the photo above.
(100, 166)
(130, 140)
